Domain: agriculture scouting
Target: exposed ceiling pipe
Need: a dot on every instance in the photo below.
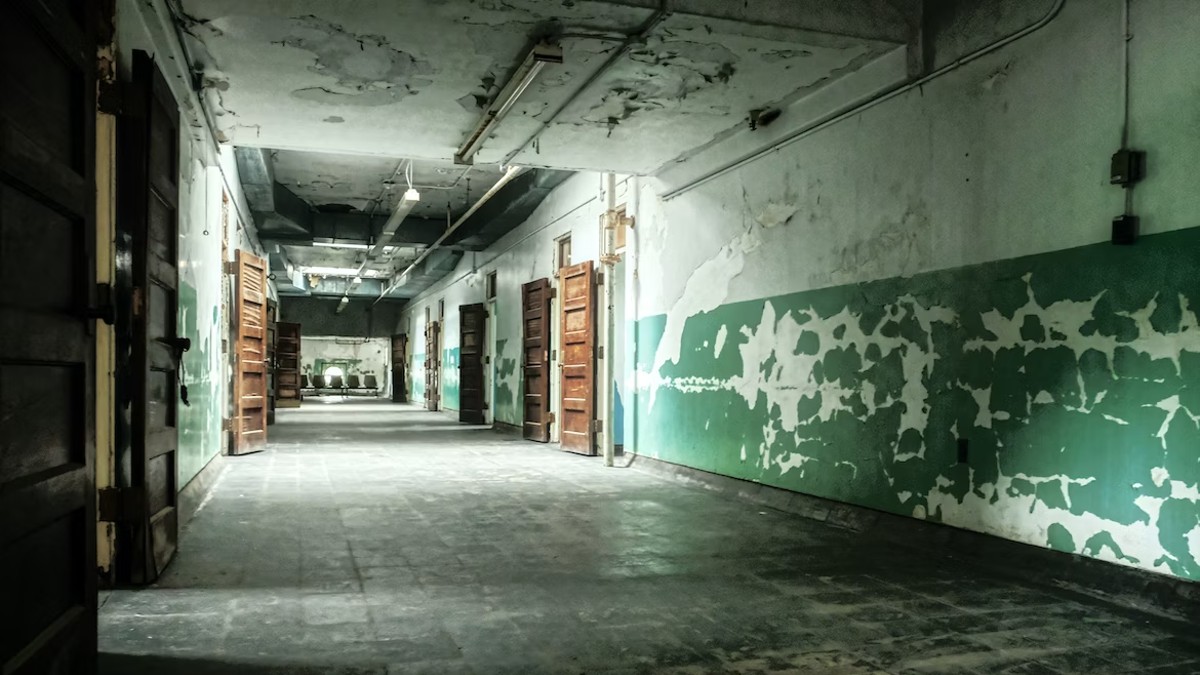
(410, 199)
(861, 106)
(511, 173)
(640, 36)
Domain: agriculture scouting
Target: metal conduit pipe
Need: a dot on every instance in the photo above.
(865, 105)
(608, 245)
(511, 173)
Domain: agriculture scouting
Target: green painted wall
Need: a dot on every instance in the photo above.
(1073, 376)
(450, 378)
(508, 389)
(199, 423)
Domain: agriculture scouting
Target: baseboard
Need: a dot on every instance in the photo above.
(1124, 586)
(192, 494)
(506, 428)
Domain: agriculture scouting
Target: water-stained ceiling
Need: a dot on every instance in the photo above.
(409, 78)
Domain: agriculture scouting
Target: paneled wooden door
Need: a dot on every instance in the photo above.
(472, 321)
(577, 359)
(535, 359)
(47, 378)
(433, 365)
(250, 368)
(147, 180)
(287, 365)
(399, 368)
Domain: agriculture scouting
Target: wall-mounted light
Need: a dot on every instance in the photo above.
(531, 65)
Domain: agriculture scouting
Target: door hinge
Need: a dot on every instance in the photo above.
(598, 426)
(599, 278)
(550, 418)
(121, 505)
(230, 267)
(136, 300)
(105, 307)
(108, 97)
(600, 352)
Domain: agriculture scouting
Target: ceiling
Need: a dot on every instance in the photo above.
(366, 183)
(335, 107)
(408, 78)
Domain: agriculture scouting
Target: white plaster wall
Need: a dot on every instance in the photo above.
(373, 355)
(523, 255)
(1007, 156)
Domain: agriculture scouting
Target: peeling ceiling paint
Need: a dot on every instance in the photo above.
(331, 181)
(408, 78)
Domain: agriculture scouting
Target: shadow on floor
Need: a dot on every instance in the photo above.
(144, 664)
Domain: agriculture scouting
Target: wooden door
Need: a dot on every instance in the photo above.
(250, 368)
(472, 320)
(535, 358)
(399, 368)
(577, 358)
(432, 365)
(47, 378)
(272, 361)
(147, 180)
(287, 365)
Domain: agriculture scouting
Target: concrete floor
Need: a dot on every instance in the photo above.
(375, 538)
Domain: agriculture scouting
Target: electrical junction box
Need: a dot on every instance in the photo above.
(1128, 167)
(1125, 230)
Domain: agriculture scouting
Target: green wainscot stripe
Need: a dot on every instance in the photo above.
(1052, 399)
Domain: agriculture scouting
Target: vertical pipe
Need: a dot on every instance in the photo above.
(608, 258)
(632, 314)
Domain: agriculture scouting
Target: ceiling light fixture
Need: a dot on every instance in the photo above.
(531, 65)
(338, 244)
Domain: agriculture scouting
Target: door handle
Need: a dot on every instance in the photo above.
(105, 308)
(180, 345)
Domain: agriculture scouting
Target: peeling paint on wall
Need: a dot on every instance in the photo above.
(1070, 375)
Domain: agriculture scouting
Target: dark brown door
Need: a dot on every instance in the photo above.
(148, 170)
(578, 357)
(535, 356)
(399, 368)
(472, 320)
(287, 365)
(250, 369)
(432, 365)
(47, 379)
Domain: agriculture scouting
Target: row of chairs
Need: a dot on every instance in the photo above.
(351, 384)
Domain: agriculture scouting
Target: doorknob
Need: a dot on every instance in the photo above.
(180, 344)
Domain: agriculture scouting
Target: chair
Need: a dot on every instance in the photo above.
(335, 382)
(352, 382)
(304, 382)
(318, 383)
(371, 383)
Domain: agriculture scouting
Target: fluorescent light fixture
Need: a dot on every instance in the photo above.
(531, 65)
(349, 272)
(335, 244)
(411, 198)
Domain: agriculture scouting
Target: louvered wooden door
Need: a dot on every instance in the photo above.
(535, 359)
(433, 365)
(472, 320)
(287, 365)
(399, 368)
(250, 370)
(577, 359)
(47, 378)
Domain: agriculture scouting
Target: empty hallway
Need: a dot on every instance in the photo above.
(373, 538)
